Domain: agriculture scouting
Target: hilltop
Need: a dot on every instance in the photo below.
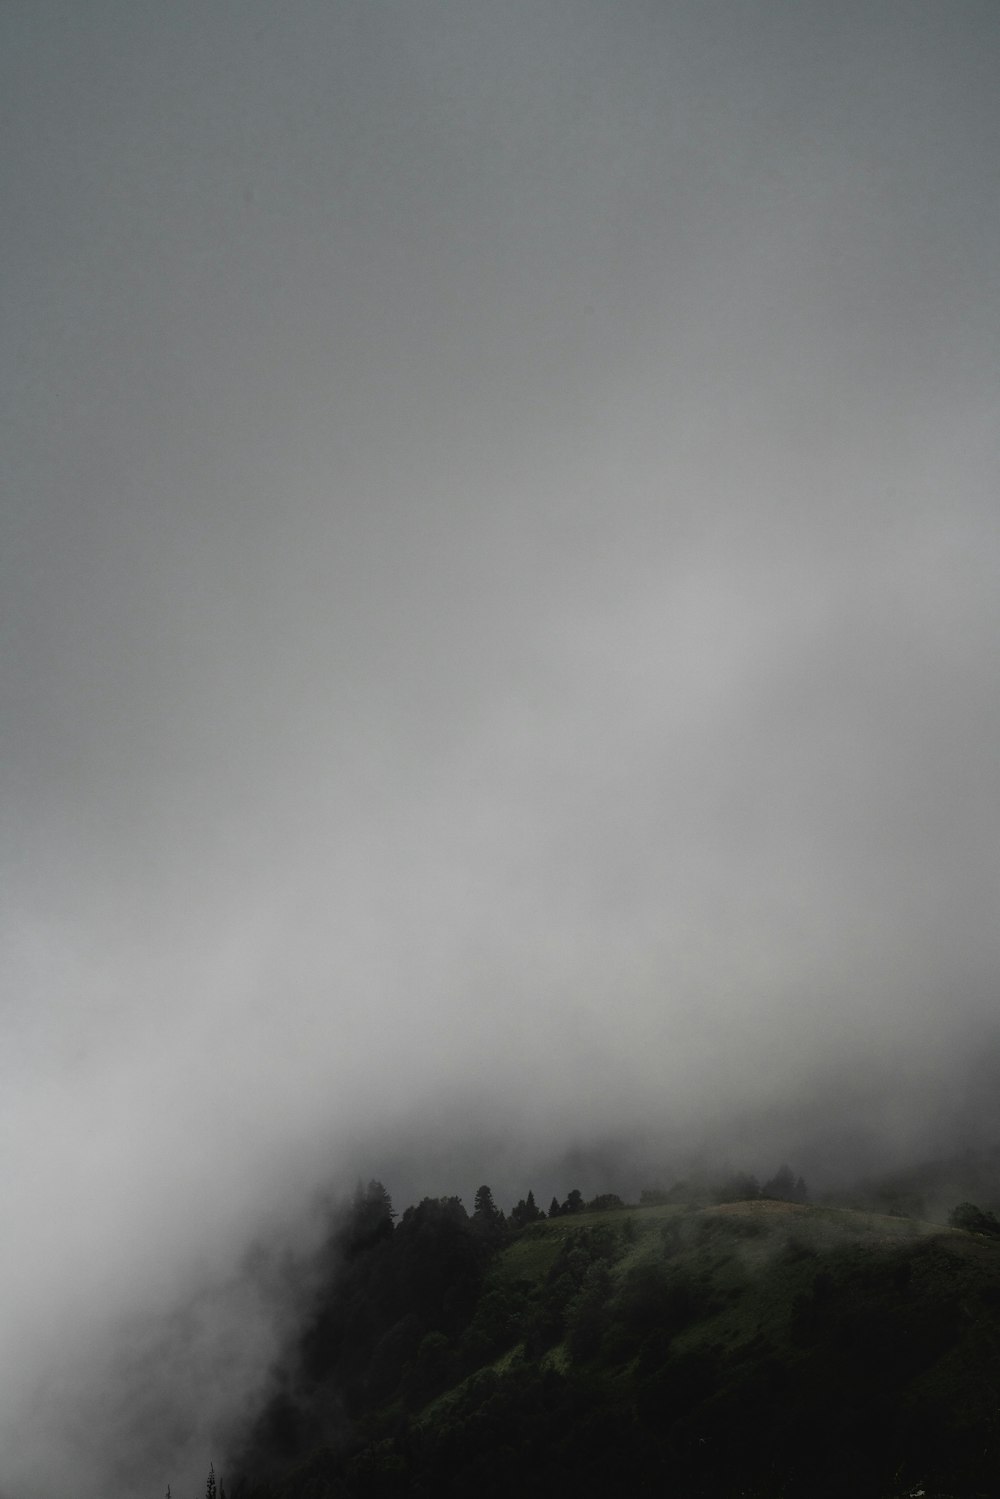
(760, 1348)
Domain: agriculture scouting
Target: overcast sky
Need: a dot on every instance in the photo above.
(501, 608)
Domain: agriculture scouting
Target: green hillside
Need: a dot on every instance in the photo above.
(756, 1348)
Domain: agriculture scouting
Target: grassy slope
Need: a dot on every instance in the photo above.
(849, 1319)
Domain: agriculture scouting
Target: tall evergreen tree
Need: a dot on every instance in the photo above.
(210, 1490)
(371, 1217)
(484, 1204)
(526, 1211)
(782, 1185)
(487, 1219)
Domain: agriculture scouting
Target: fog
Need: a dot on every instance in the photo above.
(501, 585)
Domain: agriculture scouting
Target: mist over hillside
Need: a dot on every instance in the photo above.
(723, 1339)
(499, 674)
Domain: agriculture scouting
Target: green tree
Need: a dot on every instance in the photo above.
(431, 1370)
(371, 1217)
(588, 1316)
(974, 1220)
(743, 1186)
(484, 1204)
(210, 1490)
(785, 1186)
(487, 1219)
(526, 1211)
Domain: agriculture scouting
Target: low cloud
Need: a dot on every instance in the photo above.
(500, 546)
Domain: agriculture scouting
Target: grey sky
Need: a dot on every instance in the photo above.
(501, 588)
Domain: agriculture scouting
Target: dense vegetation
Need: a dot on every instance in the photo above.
(758, 1346)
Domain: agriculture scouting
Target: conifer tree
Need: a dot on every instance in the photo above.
(487, 1218)
(210, 1490)
(484, 1204)
(781, 1185)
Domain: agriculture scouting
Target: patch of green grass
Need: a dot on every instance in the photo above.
(530, 1257)
(535, 1251)
(557, 1358)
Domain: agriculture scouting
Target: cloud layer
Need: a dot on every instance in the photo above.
(500, 569)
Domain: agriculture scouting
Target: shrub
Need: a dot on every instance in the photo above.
(974, 1220)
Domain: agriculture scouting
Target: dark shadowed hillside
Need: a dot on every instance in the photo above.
(758, 1347)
